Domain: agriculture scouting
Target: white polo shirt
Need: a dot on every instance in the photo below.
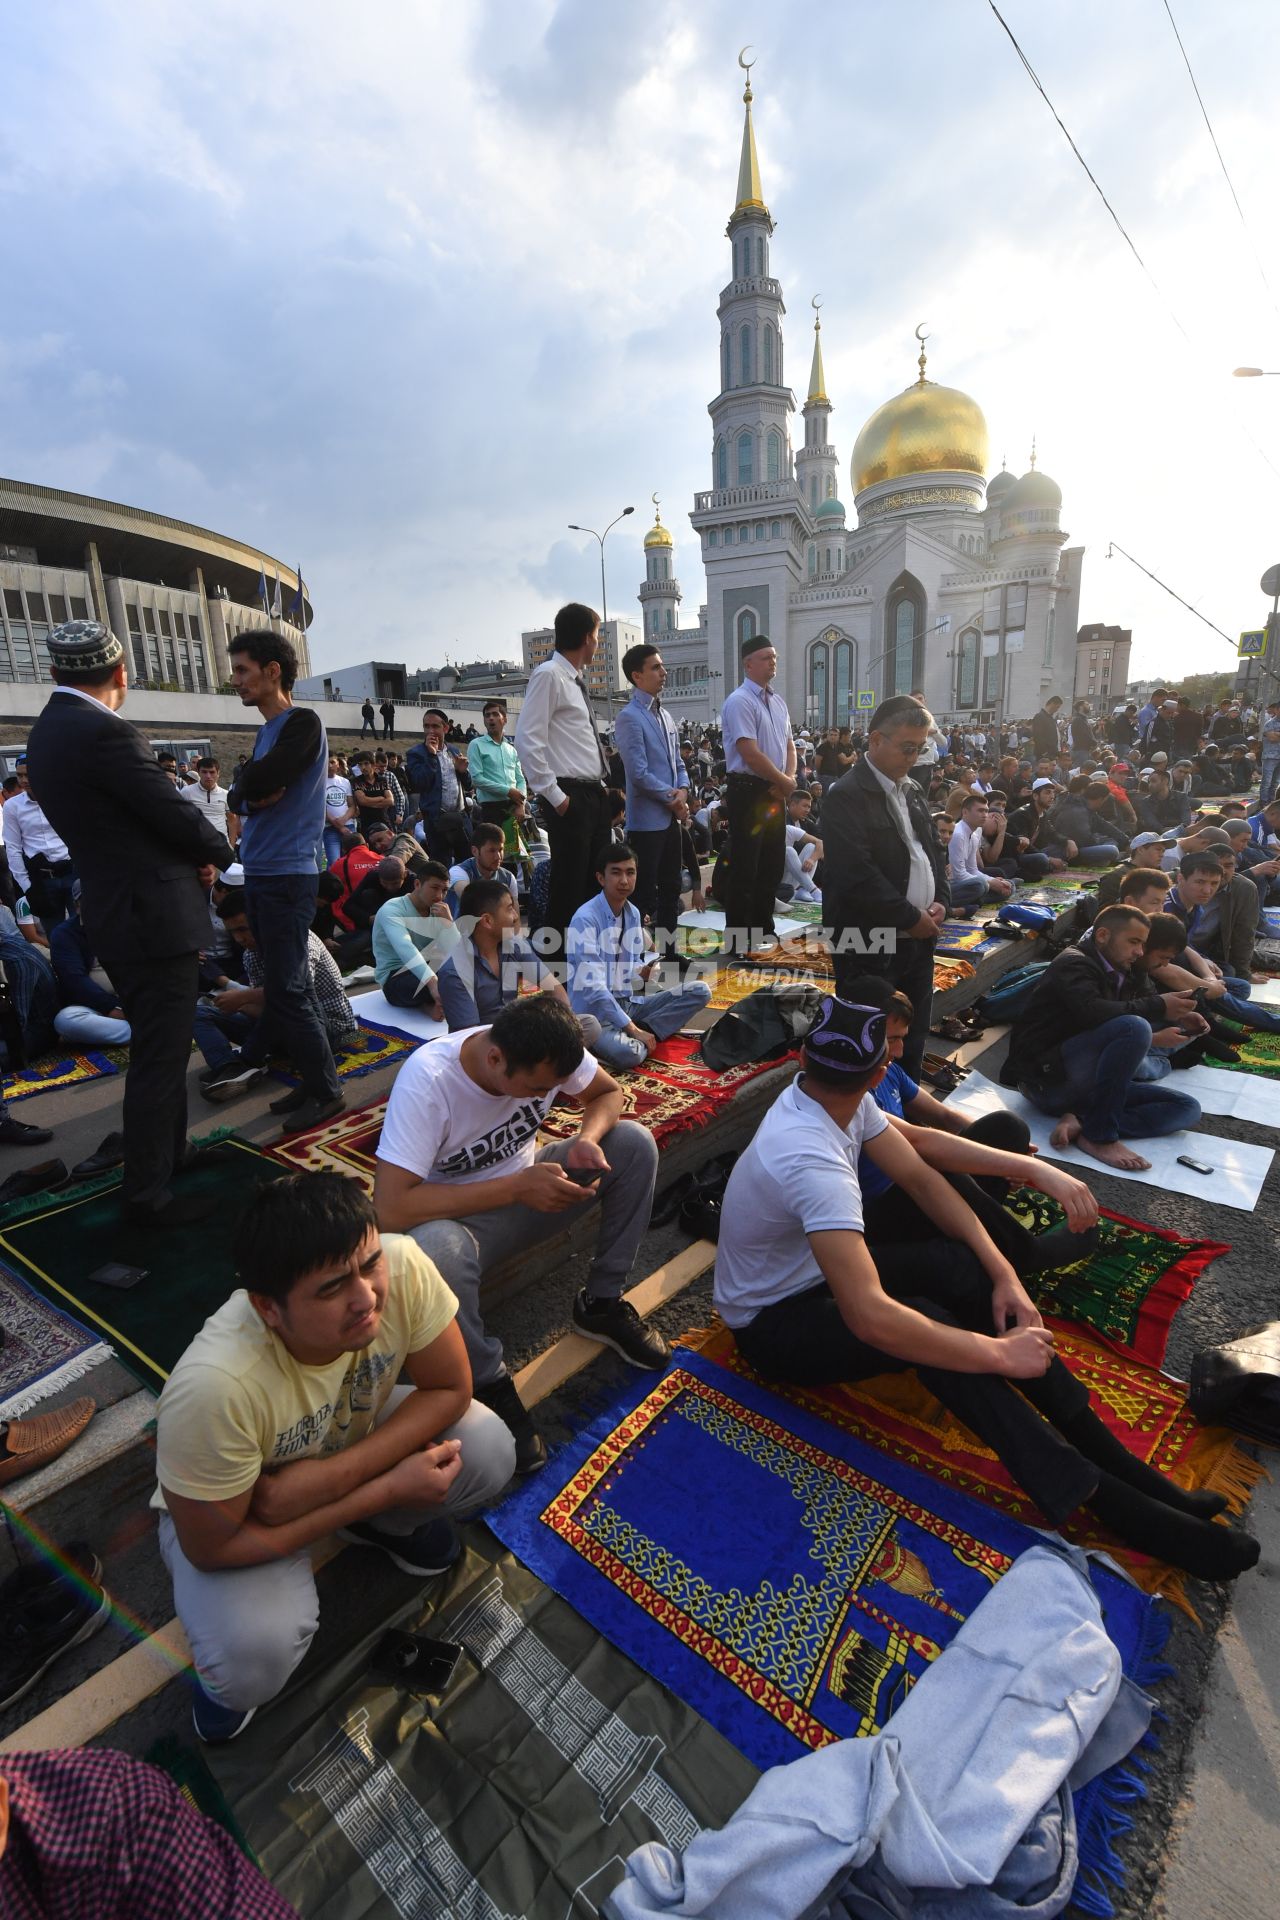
(799, 1176)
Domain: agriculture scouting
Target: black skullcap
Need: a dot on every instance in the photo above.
(84, 646)
(754, 644)
(847, 1039)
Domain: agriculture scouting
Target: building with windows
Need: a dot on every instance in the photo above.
(175, 594)
(1102, 666)
(941, 583)
(604, 678)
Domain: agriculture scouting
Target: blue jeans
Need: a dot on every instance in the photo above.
(1237, 1005)
(968, 890)
(215, 1032)
(89, 1029)
(1099, 1086)
(662, 1013)
(280, 908)
(332, 845)
(1270, 777)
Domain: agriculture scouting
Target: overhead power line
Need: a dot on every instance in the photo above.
(1114, 546)
(1262, 274)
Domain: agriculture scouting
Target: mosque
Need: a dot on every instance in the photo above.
(945, 583)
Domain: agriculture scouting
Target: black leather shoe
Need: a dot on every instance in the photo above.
(291, 1101)
(16, 1133)
(108, 1155)
(314, 1113)
(41, 1178)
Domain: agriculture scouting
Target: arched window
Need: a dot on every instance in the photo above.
(768, 354)
(746, 358)
(813, 560)
(819, 666)
(760, 257)
(967, 653)
(713, 539)
(773, 455)
(843, 683)
(826, 565)
(746, 459)
(668, 620)
(726, 365)
(904, 635)
(813, 491)
(744, 534)
(722, 463)
(831, 488)
(746, 627)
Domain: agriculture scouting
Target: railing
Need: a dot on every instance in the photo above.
(762, 493)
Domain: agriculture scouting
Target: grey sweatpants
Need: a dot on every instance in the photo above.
(250, 1626)
(465, 1250)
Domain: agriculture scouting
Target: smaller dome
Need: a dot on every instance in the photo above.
(997, 488)
(658, 536)
(831, 509)
(1035, 489)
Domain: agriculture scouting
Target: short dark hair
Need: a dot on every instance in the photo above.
(613, 855)
(295, 1226)
(482, 896)
(265, 648)
(634, 657)
(574, 624)
(231, 904)
(1166, 930)
(1140, 880)
(536, 1030)
(206, 760)
(431, 870)
(435, 713)
(1119, 916)
(873, 990)
(166, 759)
(892, 713)
(1202, 862)
(486, 832)
(490, 705)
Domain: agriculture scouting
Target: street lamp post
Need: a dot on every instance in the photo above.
(604, 597)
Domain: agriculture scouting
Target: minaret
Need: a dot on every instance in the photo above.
(750, 414)
(817, 468)
(660, 591)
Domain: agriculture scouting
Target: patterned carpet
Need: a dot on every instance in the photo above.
(44, 1349)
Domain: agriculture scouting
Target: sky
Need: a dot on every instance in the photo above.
(398, 292)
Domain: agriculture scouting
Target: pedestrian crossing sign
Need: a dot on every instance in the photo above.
(1253, 645)
(866, 700)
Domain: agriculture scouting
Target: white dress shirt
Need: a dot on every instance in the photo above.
(27, 833)
(555, 734)
(921, 890)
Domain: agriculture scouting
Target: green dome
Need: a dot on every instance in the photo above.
(830, 510)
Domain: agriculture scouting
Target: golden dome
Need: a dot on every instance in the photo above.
(927, 429)
(657, 535)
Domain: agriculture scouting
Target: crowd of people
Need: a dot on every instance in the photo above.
(523, 893)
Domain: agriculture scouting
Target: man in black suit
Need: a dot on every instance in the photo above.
(146, 858)
(885, 891)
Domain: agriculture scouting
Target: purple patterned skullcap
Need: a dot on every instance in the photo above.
(848, 1038)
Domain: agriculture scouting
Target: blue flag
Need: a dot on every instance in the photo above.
(262, 589)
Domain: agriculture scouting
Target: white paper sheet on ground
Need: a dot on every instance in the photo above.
(1267, 991)
(1241, 1096)
(710, 917)
(1238, 1170)
(377, 1008)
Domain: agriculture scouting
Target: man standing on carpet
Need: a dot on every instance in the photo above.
(145, 858)
(280, 797)
(459, 1168)
(657, 786)
(885, 892)
(282, 1422)
(810, 1303)
(760, 760)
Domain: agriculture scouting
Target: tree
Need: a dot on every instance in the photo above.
(1206, 689)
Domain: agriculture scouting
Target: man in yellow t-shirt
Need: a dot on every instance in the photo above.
(282, 1422)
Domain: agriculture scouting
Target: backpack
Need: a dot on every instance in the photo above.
(764, 1026)
(1013, 994)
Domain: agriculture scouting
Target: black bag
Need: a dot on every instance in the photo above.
(767, 1024)
(1237, 1384)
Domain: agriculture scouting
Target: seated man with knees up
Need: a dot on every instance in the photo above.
(971, 883)
(611, 959)
(1219, 925)
(810, 1302)
(413, 936)
(1089, 1023)
(488, 843)
(494, 965)
(460, 1169)
(283, 1422)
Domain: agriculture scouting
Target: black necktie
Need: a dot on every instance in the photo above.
(595, 731)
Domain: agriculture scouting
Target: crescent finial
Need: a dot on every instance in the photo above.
(746, 65)
(656, 502)
(816, 302)
(921, 335)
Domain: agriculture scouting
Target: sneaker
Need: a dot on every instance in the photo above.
(233, 1077)
(47, 1610)
(291, 1101)
(427, 1551)
(501, 1397)
(214, 1723)
(616, 1324)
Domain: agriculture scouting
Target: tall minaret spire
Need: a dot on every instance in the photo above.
(817, 376)
(816, 464)
(750, 192)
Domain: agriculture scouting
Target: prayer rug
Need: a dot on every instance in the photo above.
(61, 1070)
(44, 1349)
(1259, 1053)
(1147, 1411)
(372, 1048)
(970, 939)
(808, 912)
(347, 1145)
(1130, 1289)
(948, 973)
(798, 1596)
(55, 1241)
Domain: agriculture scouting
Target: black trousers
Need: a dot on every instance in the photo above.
(894, 1218)
(158, 998)
(574, 839)
(657, 891)
(448, 836)
(757, 854)
(804, 1341)
(910, 969)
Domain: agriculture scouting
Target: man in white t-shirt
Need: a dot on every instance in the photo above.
(971, 884)
(460, 1169)
(282, 1422)
(339, 810)
(810, 1304)
(211, 798)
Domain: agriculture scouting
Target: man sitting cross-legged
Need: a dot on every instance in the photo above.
(1196, 898)
(283, 1422)
(495, 965)
(982, 1159)
(488, 843)
(1089, 1023)
(611, 958)
(460, 1169)
(810, 1302)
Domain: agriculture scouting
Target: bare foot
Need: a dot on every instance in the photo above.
(1113, 1153)
(1064, 1134)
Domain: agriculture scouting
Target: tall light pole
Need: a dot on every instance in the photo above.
(604, 596)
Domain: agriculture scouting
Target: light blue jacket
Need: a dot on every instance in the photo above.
(650, 749)
(603, 956)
